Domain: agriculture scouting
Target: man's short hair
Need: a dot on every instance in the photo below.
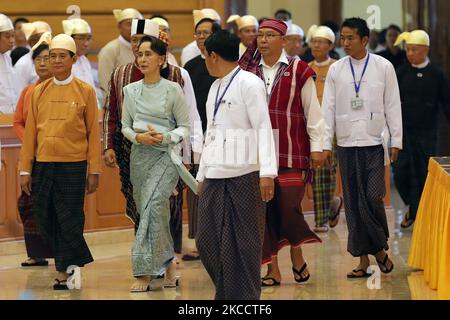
(224, 44)
(332, 25)
(20, 19)
(394, 27)
(359, 24)
(284, 12)
(160, 16)
(382, 36)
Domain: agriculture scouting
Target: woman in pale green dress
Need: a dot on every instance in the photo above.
(155, 119)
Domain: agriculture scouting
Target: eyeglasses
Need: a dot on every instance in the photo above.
(205, 34)
(268, 36)
(135, 40)
(42, 59)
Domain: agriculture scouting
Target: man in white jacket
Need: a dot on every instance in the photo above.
(118, 51)
(24, 68)
(237, 171)
(81, 32)
(8, 87)
(361, 97)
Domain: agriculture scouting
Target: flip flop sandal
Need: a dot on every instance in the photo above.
(299, 273)
(272, 284)
(334, 220)
(190, 257)
(353, 275)
(43, 263)
(60, 285)
(321, 229)
(407, 222)
(140, 290)
(171, 283)
(383, 266)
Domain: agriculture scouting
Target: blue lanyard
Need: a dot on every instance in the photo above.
(358, 86)
(219, 101)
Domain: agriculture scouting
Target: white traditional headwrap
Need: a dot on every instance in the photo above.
(63, 41)
(128, 13)
(76, 26)
(320, 32)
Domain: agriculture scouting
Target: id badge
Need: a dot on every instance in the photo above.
(211, 137)
(357, 103)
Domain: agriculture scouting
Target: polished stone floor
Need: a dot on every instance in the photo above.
(109, 277)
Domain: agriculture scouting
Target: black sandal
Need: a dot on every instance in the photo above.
(60, 285)
(334, 220)
(407, 222)
(383, 266)
(299, 273)
(190, 257)
(354, 276)
(274, 282)
(42, 263)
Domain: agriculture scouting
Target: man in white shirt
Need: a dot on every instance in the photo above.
(118, 51)
(205, 24)
(8, 87)
(81, 32)
(24, 68)
(236, 172)
(361, 97)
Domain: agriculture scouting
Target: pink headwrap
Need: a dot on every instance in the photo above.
(274, 24)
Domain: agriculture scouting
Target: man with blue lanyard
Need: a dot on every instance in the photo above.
(237, 171)
(361, 97)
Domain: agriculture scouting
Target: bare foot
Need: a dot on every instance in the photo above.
(141, 284)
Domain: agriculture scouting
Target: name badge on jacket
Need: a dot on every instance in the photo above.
(357, 103)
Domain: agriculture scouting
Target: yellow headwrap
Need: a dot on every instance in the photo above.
(418, 37)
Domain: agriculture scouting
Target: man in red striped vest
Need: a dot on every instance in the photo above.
(297, 118)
